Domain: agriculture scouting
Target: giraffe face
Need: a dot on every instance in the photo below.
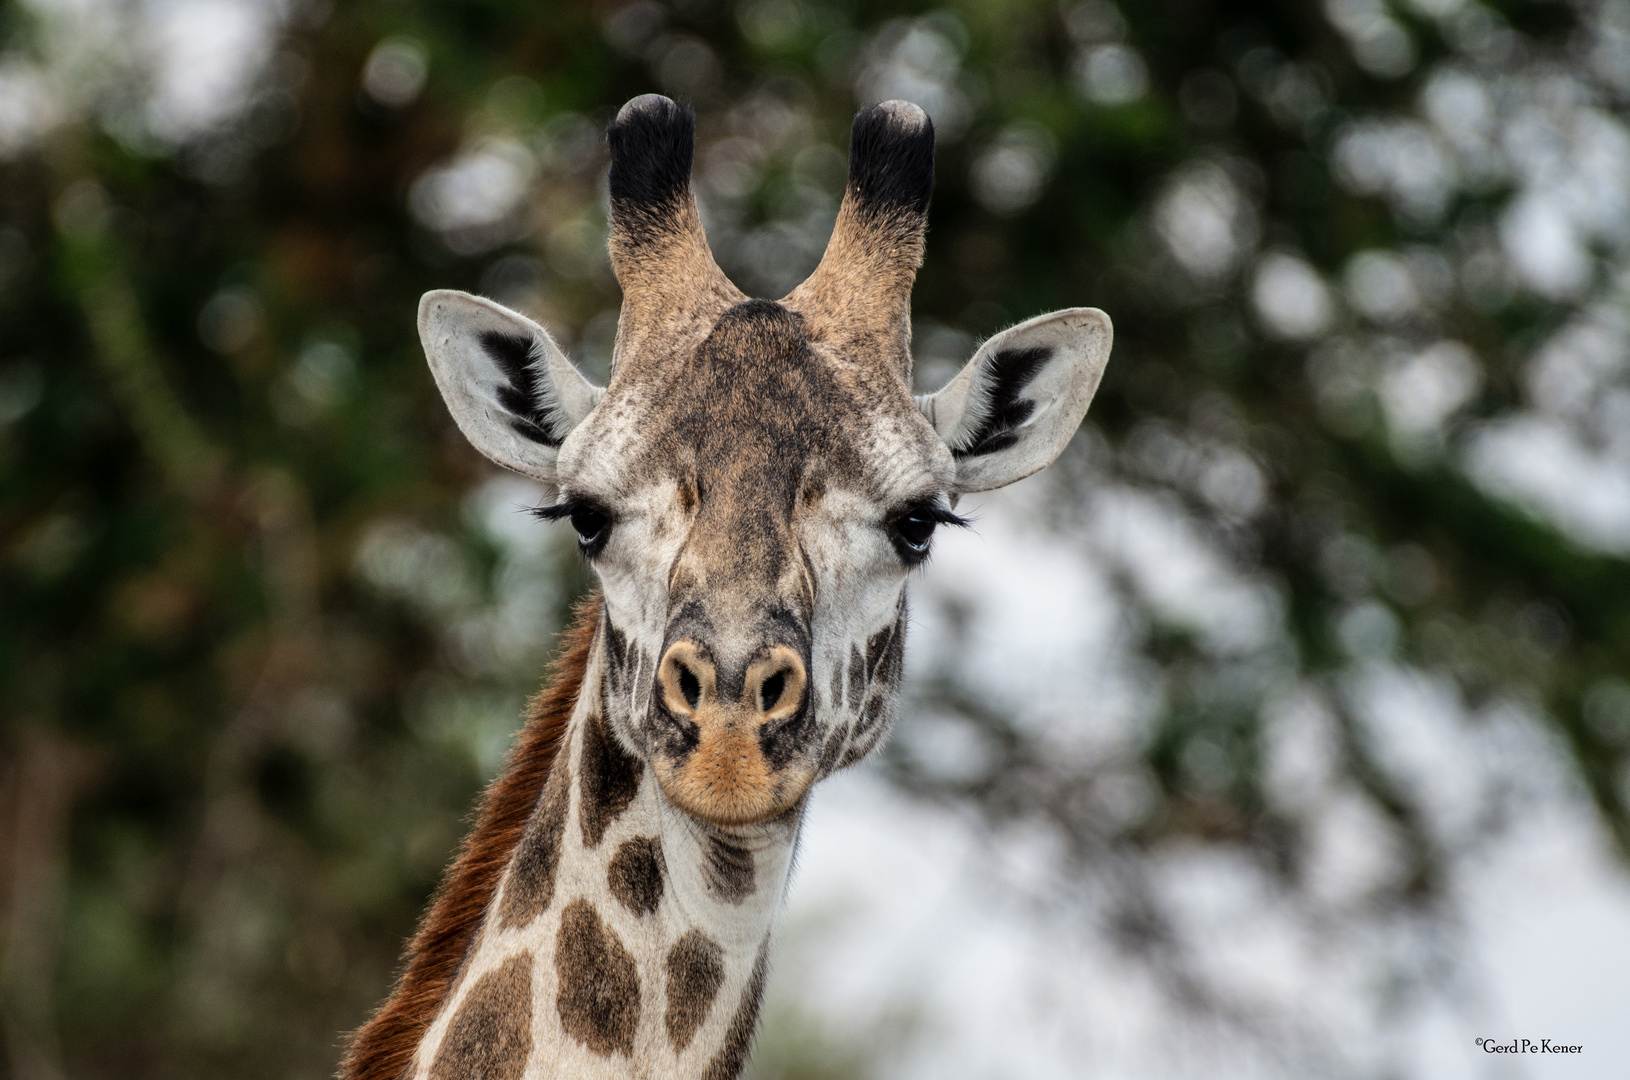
(753, 511)
(757, 482)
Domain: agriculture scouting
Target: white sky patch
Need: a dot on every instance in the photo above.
(1573, 164)
(1380, 45)
(1459, 105)
(398, 558)
(1054, 638)
(918, 934)
(1543, 466)
(1400, 159)
(472, 200)
(1417, 724)
(1574, 154)
(1379, 285)
(500, 507)
(1600, 169)
(1013, 170)
(76, 34)
(1231, 482)
(1300, 747)
(1462, 109)
(1545, 249)
(1206, 221)
(159, 72)
(29, 106)
(1291, 298)
(1567, 375)
(1420, 391)
(207, 55)
(1111, 74)
(519, 625)
(1179, 575)
(1353, 849)
(396, 71)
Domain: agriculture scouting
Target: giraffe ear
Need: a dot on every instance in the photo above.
(1013, 408)
(509, 387)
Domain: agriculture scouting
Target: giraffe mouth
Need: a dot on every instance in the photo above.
(725, 778)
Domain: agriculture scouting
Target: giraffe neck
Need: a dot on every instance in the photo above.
(625, 939)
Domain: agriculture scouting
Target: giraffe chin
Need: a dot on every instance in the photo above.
(726, 779)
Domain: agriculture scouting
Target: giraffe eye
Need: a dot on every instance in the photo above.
(592, 526)
(912, 529)
(915, 530)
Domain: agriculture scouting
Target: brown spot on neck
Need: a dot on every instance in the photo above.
(531, 884)
(695, 972)
(599, 999)
(610, 779)
(635, 875)
(491, 1036)
(383, 1047)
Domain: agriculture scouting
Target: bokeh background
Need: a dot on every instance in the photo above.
(1280, 729)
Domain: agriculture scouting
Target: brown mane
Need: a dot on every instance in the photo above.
(382, 1049)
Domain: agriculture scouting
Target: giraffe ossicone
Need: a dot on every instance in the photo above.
(752, 488)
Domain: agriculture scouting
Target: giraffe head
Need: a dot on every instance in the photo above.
(756, 483)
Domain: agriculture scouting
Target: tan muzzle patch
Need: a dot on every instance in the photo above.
(726, 779)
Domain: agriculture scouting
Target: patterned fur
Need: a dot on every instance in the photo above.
(752, 489)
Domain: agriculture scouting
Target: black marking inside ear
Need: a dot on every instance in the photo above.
(521, 397)
(1009, 372)
(652, 143)
(891, 159)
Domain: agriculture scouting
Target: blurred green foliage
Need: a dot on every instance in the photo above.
(266, 621)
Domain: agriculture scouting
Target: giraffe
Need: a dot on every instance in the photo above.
(752, 488)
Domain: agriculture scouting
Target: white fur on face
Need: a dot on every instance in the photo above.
(855, 575)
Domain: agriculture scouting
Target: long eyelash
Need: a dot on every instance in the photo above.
(559, 510)
(937, 511)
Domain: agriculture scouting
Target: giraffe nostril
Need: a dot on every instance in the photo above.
(769, 694)
(689, 685)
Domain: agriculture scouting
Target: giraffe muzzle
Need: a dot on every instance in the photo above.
(737, 758)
